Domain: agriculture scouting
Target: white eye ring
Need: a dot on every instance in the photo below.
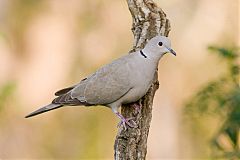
(160, 43)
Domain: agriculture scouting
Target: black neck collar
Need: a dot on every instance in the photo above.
(141, 52)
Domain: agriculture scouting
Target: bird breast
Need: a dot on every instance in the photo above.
(141, 80)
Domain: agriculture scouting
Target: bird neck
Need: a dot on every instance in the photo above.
(151, 55)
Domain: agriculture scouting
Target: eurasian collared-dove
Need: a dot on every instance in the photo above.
(123, 81)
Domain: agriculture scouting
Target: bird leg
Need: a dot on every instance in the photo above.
(126, 121)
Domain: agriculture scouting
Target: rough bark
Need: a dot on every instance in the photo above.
(148, 21)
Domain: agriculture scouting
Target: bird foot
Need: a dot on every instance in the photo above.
(126, 122)
(137, 107)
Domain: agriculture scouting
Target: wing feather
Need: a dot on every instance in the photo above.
(107, 85)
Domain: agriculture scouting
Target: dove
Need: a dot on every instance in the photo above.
(124, 81)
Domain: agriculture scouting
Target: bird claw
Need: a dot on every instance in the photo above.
(127, 122)
(137, 107)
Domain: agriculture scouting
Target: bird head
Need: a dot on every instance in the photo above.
(159, 45)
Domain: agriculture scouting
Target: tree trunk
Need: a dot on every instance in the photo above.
(148, 21)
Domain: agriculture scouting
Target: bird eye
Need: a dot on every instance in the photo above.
(160, 43)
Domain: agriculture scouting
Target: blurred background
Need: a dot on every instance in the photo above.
(46, 45)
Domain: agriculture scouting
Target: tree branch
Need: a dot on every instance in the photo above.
(148, 21)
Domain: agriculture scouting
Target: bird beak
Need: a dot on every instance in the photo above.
(171, 51)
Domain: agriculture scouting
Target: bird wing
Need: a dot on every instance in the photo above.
(106, 85)
(64, 91)
(64, 95)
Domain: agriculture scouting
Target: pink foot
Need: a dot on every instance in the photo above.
(126, 122)
(137, 107)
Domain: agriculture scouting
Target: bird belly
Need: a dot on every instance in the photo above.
(142, 81)
(135, 94)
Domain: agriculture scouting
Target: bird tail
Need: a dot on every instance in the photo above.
(44, 109)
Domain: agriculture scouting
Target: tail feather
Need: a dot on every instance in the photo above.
(44, 109)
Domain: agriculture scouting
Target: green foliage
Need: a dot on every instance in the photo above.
(229, 54)
(5, 92)
(220, 98)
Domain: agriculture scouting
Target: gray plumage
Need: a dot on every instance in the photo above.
(125, 80)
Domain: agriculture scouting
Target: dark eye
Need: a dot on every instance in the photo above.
(160, 43)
